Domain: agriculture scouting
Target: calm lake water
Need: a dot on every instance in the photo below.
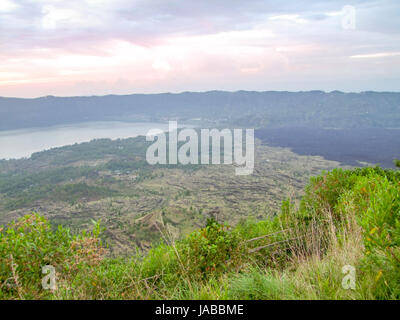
(22, 143)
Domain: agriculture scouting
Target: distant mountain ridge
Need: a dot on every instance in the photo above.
(240, 108)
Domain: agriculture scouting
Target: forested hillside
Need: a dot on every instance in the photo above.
(242, 108)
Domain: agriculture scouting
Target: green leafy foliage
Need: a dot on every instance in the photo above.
(29, 244)
(212, 249)
(372, 197)
(345, 217)
(377, 200)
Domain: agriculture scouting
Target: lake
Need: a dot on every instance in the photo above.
(22, 143)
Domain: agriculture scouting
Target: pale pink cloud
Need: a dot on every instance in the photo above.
(103, 46)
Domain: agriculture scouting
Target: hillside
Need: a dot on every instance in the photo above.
(111, 181)
(242, 108)
(341, 242)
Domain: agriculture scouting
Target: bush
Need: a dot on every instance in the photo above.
(370, 196)
(29, 244)
(377, 202)
(212, 250)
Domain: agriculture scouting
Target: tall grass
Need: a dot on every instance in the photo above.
(346, 218)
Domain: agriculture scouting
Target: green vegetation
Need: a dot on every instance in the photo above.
(75, 172)
(29, 244)
(346, 217)
(111, 180)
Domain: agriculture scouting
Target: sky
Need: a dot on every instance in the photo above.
(99, 47)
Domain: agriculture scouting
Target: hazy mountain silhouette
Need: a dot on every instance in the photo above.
(242, 108)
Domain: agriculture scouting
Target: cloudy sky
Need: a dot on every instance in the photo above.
(96, 47)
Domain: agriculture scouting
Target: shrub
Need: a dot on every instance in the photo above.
(212, 250)
(29, 244)
(376, 200)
